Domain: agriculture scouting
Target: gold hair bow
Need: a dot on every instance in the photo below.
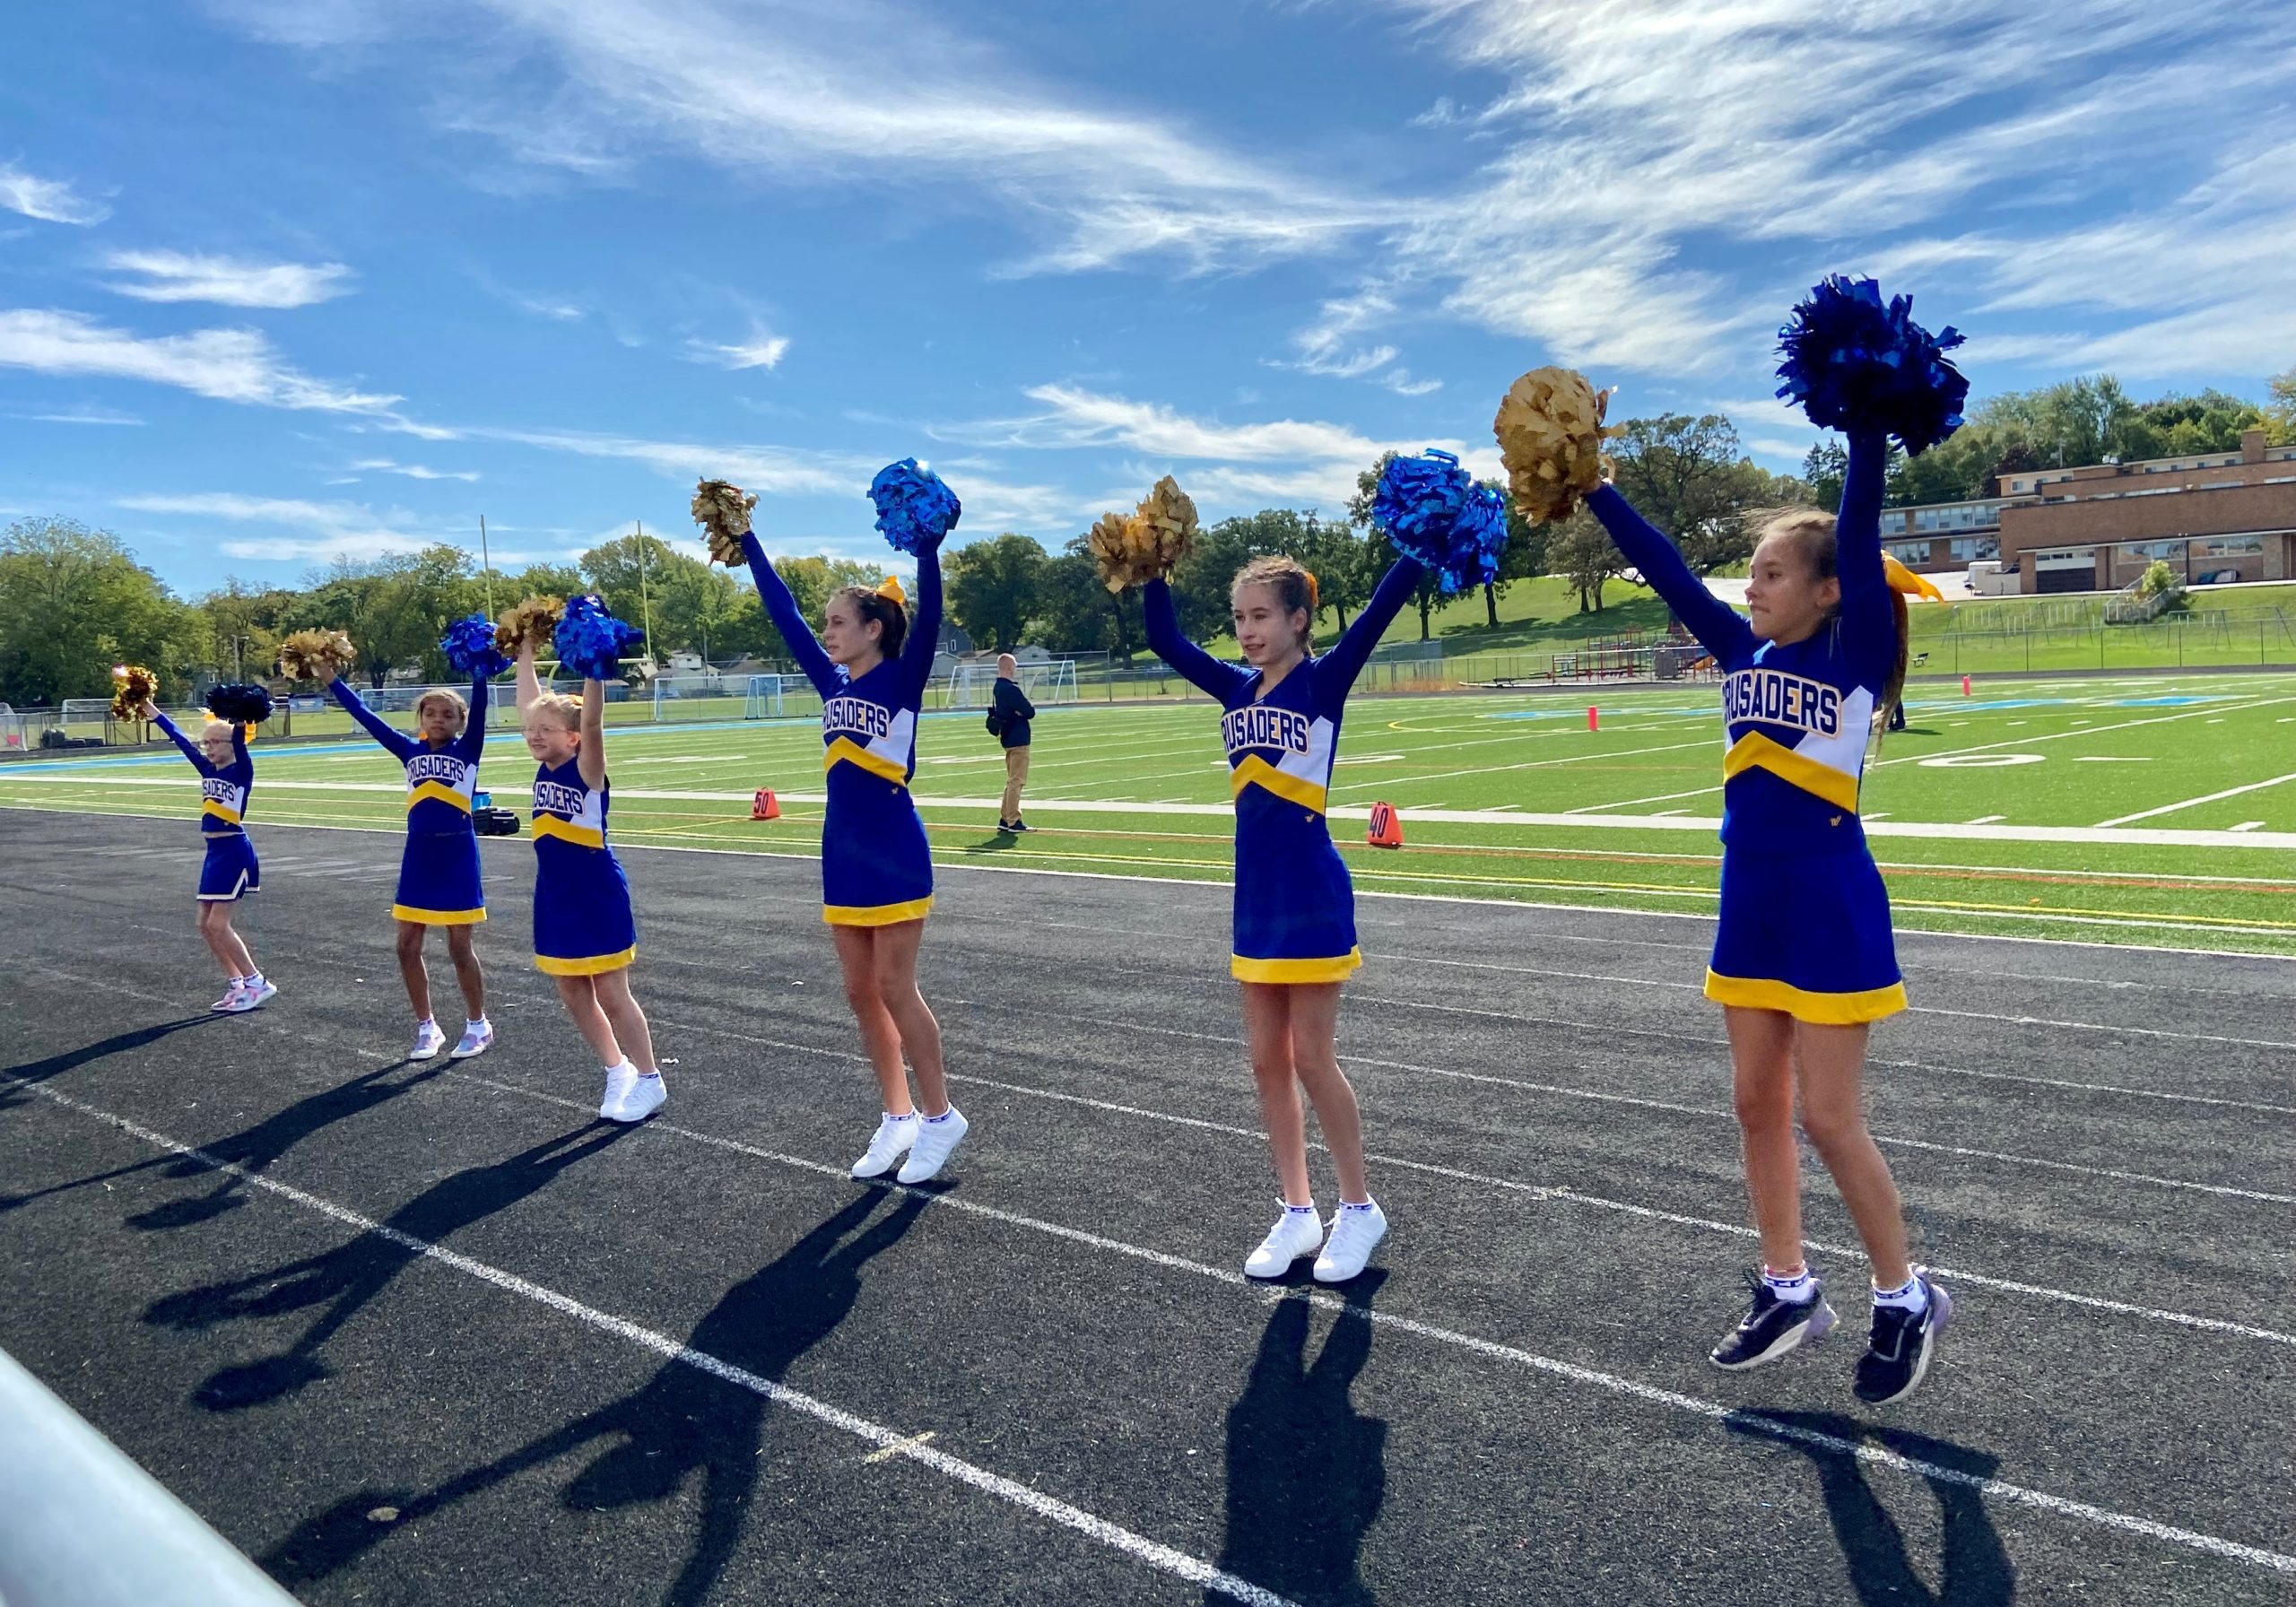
(1902, 579)
(892, 591)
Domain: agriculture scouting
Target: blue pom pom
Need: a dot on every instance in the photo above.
(241, 702)
(591, 642)
(1432, 510)
(470, 649)
(1852, 363)
(914, 510)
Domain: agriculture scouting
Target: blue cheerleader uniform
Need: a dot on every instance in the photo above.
(583, 924)
(438, 874)
(1294, 905)
(230, 871)
(876, 869)
(1805, 920)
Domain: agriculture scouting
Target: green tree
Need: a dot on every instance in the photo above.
(1077, 614)
(73, 602)
(992, 589)
(541, 580)
(1582, 552)
(1690, 478)
(2280, 419)
(1823, 469)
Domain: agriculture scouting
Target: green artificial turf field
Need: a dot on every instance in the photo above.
(2153, 810)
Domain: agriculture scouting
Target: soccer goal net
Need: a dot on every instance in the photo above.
(766, 699)
(972, 682)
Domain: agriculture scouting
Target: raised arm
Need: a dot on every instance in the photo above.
(591, 761)
(474, 737)
(781, 608)
(925, 626)
(529, 684)
(1206, 672)
(1336, 670)
(1869, 627)
(401, 745)
(1710, 620)
(190, 748)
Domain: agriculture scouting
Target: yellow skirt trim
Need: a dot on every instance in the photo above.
(550, 965)
(435, 917)
(876, 915)
(1337, 969)
(1822, 1009)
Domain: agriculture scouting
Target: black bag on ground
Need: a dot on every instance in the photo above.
(495, 822)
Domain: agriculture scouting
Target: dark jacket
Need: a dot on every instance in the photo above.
(1012, 713)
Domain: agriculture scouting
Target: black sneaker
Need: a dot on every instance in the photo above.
(1903, 1343)
(1006, 827)
(1018, 825)
(1772, 1327)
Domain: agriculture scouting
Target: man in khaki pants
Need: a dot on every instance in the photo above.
(1009, 719)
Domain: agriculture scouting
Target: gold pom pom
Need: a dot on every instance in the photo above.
(316, 655)
(536, 619)
(1550, 433)
(1149, 541)
(133, 686)
(722, 510)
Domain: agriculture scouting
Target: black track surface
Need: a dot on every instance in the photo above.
(1506, 1412)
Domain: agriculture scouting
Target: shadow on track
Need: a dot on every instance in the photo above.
(56, 1065)
(1975, 1570)
(256, 1148)
(682, 1420)
(346, 1279)
(1307, 1472)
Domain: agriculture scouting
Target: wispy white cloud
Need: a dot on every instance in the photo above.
(323, 531)
(412, 471)
(226, 280)
(49, 200)
(794, 95)
(230, 365)
(81, 415)
(761, 350)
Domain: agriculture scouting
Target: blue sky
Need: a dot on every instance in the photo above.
(285, 279)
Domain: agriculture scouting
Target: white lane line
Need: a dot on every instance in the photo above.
(1987, 819)
(2229, 792)
(1163, 1557)
(2245, 826)
(889, 1442)
(2035, 1020)
(1542, 906)
(2113, 758)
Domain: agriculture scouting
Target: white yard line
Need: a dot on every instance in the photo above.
(2229, 792)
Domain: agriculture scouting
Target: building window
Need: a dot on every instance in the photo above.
(1910, 553)
(1967, 548)
(2229, 546)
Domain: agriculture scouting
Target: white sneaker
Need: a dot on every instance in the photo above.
(230, 999)
(889, 1143)
(429, 1039)
(643, 1097)
(478, 1036)
(1295, 1233)
(936, 1140)
(1356, 1232)
(620, 1079)
(247, 998)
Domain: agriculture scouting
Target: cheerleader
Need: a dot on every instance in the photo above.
(870, 665)
(230, 871)
(1294, 906)
(1803, 960)
(586, 937)
(438, 875)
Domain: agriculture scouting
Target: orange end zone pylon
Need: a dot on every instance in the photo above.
(765, 806)
(1386, 829)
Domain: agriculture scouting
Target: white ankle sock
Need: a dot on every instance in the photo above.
(1912, 1295)
(1799, 1290)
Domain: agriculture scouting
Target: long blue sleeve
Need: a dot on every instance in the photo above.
(1206, 672)
(1869, 626)
(1710, 620)
(400, 745)
(1335, 671)
(190, 748)
(924, 626)
(473, 742)
(781, 608)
